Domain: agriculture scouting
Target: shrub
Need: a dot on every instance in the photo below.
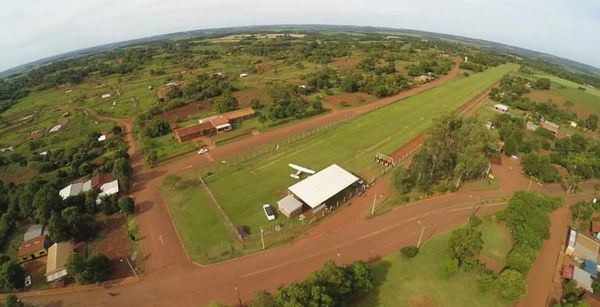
(511, 284)
(448, 267)
(409, 251)
(127, 204)
(486, 280)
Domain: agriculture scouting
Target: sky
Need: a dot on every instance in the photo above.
(34, 29)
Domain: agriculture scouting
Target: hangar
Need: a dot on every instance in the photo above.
(317, 189)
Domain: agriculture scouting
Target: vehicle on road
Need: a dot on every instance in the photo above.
(202, 151)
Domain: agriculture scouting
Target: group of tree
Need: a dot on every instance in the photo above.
(206, 86)
(456, 149)
(580, 155)
(93, 269)
(226, 103)
(332, 285)
(539, 167)
(157, 127)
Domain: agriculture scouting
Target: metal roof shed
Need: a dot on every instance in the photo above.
(33, 231)
(289, 206)
(323, 185)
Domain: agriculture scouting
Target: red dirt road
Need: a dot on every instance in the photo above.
(171, 279)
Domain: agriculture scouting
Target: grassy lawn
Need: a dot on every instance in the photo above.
(418, 282)
(351, 145)
(497, 240)
(167, 146)
(198, 224)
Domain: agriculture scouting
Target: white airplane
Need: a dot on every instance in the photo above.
(300, 170)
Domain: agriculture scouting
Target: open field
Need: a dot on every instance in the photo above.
(351, 145)
(418, 282)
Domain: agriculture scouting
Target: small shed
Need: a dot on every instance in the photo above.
(595, 227)
(58, 254)
(567, 272)
(583, 278)
(289, 206)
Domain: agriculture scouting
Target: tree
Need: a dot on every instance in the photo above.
(117, 130)
(12, 275)
(45, 201)
(56, 228)
(409, 251)
(317, 104)
(226, 103)
(542, 84)
(127, 204)
(448, 267)
(151, 157)
(122, 171)
(13, 301)
(109, 204)
(465, 244)
(263, 298)
(91, 270)
(511, 284)
(80, 226)
(596, 286)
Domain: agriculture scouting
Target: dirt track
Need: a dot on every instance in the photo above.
(171, 279)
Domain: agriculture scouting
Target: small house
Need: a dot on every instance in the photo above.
(58, 255)
(500, 108)
(33, 248)
(109, 188)
(189, 133)
(550, 126)
(33, 231)
(104, 96)
(244, 75)
(102, 138)
(75, 189)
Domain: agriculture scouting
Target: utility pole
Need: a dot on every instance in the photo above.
(373, 207)
(421, 236)
(130, 266)
(237, 291)
(262, 238)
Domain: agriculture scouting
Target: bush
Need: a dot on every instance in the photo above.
(486, 280)
(511, 284)
(109, 205)
(521, 258)
(409, 251)
(448, 267)
(127, 204)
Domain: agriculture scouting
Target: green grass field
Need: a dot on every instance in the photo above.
(418, 282)
(353, 146)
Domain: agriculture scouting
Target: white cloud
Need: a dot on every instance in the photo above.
(41, 28)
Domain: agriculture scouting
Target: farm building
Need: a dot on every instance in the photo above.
(500, 108)
(550, 126)
(189, 133)
(109, 188)
(104, 96)
(33, 248)
(240, 114)
(289, 206)
(75, 189)
(214, 124)
(58, 254)
(221, 123)
(317, 189)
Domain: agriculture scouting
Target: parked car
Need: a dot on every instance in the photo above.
(269, 212)
(202, 150)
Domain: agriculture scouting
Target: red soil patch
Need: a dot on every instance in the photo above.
(422, 300)
(545, 96)
(115, 245)
(185, 110)
(350, 98)
(265, 66)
